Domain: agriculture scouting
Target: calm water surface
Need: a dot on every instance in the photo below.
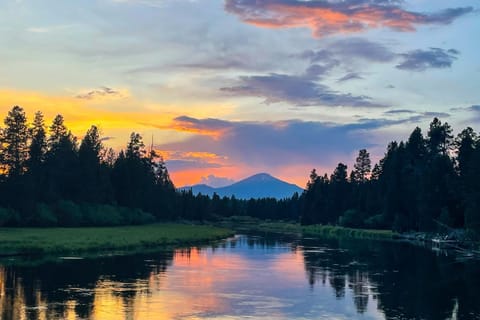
(248, 277)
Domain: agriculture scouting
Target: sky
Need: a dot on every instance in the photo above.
(230, 88)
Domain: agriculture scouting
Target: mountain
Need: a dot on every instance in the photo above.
(261, 185)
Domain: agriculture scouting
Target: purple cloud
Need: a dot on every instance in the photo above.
(421, 60)
(298, 90)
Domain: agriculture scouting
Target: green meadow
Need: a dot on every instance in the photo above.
(25, 241)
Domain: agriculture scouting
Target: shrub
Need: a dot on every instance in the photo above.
(101, 215)
(135, 216)
(351, 218)
(44, 216)
(8, 217)
(68, 213)
(375, 222)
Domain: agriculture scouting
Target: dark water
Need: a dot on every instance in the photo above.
(248, 278)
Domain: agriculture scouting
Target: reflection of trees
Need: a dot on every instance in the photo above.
(358, 282)
(329, 264)
(337, 282)
(409, 282)
(405, 282)
(68, 287)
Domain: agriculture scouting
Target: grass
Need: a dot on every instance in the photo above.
(253, 224)
(25, 241)
(336, 231)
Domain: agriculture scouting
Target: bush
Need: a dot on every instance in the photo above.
(44, 216)
(102, 215)
(135, 216)
(351, 218)
(375, 222)
(69, 214)
(8, 217)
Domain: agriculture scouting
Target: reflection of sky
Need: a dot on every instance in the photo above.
(238, 282)
(281, 76)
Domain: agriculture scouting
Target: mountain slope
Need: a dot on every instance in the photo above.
(261, 185)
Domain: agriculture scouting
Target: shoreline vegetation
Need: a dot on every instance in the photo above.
(95, 241)
(251, 224)
(43, 241)
(434, 241)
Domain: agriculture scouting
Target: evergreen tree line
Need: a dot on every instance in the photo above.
(48, 177)
(419, 185)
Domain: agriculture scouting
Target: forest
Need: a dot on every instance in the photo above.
(49, 177)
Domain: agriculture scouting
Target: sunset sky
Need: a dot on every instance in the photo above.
(230, 88)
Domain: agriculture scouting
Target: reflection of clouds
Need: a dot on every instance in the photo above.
(289, 265)
(248, 278)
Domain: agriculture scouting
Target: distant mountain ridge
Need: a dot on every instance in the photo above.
(261, 185)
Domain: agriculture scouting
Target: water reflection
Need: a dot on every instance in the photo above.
(248, 277)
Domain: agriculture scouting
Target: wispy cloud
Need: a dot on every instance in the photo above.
(298, 90)
(416, 115)
(350, 76)
(48, 29)
(331, 17)
(399, 111)
(360, 48)
(433, 58)
(102, 92)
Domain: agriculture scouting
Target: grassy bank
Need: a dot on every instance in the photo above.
(336, 231)
(243, 224)
(22, 241)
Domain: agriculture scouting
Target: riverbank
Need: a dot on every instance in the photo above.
(249, 224)
(36, 241)
(465, 249)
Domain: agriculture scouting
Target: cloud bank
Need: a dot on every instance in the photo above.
(272, 145)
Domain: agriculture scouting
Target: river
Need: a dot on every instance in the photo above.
(247, 277)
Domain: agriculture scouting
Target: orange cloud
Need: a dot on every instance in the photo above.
(193, 176)
(331, 17)
(191, 155)
(208, 127)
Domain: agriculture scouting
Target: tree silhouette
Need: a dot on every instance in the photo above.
(38, 143)
(15, 142)
(362, 167)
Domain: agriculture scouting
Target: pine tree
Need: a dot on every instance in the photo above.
(93, 173)
(135, 147)
(465, 144)
(440, 137)
(15, 142)
(313, 179)
(58, 131)
(61, 163)
(340, 174)
(38, 144)
(362, 166)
